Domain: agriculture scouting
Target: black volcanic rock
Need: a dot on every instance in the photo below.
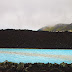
(35, 67)
(35, 39)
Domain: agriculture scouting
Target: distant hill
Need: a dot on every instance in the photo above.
(58, 27)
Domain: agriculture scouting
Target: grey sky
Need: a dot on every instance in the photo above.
(34, 14)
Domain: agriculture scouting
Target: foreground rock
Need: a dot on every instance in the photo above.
(36, 67)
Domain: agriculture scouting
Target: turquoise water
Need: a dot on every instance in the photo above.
(33, 59)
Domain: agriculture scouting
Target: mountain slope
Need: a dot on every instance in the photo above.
(58, 27)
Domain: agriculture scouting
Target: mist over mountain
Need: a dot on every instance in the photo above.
(58, 27)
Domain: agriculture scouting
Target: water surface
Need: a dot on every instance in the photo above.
(36, 55)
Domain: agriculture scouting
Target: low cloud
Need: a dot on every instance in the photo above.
(34, 14)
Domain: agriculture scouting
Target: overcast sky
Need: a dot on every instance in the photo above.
(34, 14)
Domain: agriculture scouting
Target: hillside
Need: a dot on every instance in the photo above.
(58, 27)
(35, 39)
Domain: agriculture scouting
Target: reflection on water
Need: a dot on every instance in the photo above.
(36, 55)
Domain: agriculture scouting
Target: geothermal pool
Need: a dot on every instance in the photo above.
(36, 55)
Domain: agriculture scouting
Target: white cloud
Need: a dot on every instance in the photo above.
(34, 14)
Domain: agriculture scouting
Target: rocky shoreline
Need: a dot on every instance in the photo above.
(36, 67)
